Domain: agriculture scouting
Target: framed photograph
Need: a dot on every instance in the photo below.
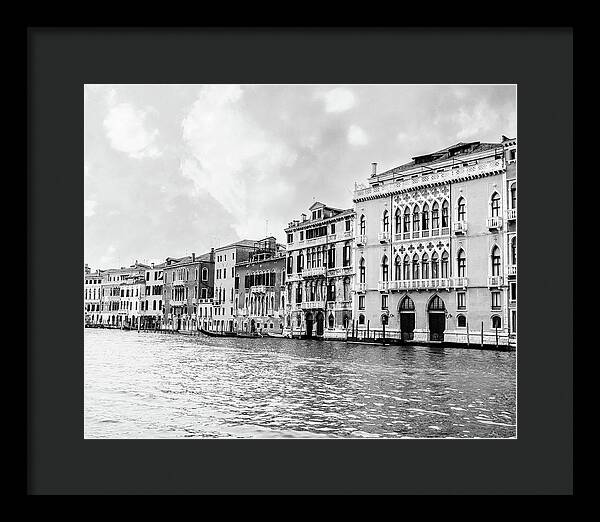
(301, 281)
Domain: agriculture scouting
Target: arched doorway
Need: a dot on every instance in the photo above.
(320, 323)
(407, 318)
(252, 326)
(309, 324)
(437, 318)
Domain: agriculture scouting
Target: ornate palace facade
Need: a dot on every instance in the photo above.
(320, 273)
(435, 246)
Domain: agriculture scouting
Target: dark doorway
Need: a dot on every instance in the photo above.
(309, 324)
(320, 323)
(407, 325)
(252, 326)
(437, 318)
(407, 318)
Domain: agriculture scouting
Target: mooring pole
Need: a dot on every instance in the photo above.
(468, 346)
(368, 324)
(496, 337)
(481, 334)
(383, 333)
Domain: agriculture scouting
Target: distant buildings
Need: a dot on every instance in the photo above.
(188, 291)
(428, 253)
(320, 272)
(259, 288)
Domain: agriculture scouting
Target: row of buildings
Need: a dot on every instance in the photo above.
(428, 252)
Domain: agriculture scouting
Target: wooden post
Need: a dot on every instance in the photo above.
(368, 324)
(496, 337)
(468, 346)
(353, 328)
(481, 334)
(383, 333)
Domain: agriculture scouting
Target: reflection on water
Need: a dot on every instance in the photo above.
(146, 385)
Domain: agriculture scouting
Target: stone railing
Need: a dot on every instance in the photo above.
(383, 286)
(459, 227)
(313, 272)
(384, 237)
(495, 281)
(430, 178)
(261, 289)
(340, 271)
(310, 305)
(511, 214)
(494, 222)
(459, 282)
(361, 240)
(360, 287)
(418, 284)
(512, 270)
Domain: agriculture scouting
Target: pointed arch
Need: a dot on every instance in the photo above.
(425, 266)
(495, 204)
(445, 207)
(513, 250)
(435, 216)
(406, 304)
(436, 303)
(398, 221)
(398, 268)
(362, 225)
(384, 268)
(461, 209)
(385, 221)
(415, 267)
(496, 261)
(416, 218)
(425, 217)
(461, 263)
(362, 270)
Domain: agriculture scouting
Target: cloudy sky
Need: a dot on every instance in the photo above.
(175, 169)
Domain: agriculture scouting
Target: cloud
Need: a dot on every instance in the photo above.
(109, 256)
(233, 158)
(357, 136)
(89, 207)
(475, 121)
(339, 100)
(126, 130)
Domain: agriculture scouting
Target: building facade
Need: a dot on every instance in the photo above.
(188, 291)
(224, 308)
(435, 246)
(92, 288)
(259, 289)
(132, 290)
(152, 301)
(112, 313)
(320, 273)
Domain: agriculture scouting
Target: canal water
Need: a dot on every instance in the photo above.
(149, 385)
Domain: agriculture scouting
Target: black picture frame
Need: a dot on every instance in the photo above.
(61, 61)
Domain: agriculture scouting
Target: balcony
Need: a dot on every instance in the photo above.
(180, 302)
(314, 272)
(495, 281)
(331, 237)
(340, 271)
(512, 270)
(179, 282)
(511, 214)
(459, 282)
(422, 284)
(347, 233)
(261, 289)
(311, 305)
(459, 227)
(360, 288)
(384, 237)
(361, 240)
(494, 223)
(292, 278)
(383, 286)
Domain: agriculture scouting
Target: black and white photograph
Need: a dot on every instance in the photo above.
(300, 261)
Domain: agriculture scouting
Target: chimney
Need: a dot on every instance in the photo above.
(193, 256)
(374, 169)
(212, 254)
(303, 217)
(152, 265)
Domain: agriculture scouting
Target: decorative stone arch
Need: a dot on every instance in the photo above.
(491, 203)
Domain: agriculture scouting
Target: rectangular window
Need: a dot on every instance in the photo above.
(384, 301)
(361, 302)
(461, 300)
(513, 291)
(290, 238)
(347, 225)
(514, 321)
(302, 235)
(232, 271)
(496, 300)
(333, 228)
(203, 293)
